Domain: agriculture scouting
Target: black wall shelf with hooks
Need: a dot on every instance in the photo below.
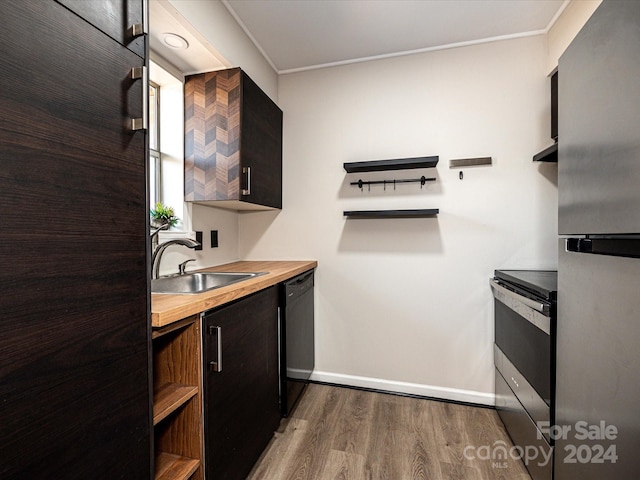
(422, 180)
(394, 164)
(416, 213)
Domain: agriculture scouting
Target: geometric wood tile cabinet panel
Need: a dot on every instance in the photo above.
(233, 142)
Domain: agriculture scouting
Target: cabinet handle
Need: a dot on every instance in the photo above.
(279, 349)
(247, 191)
(141, 28)
(217, 365)
(136, 124)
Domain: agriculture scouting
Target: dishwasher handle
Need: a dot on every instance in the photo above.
(297, 286)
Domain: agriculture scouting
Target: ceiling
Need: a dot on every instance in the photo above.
(296, 35)
(200, 56)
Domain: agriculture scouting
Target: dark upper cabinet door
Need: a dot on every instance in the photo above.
(260, 146)
(554, 105)
(241, 400)
(115, 18)
(74, 329)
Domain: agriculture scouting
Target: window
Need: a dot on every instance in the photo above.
(155, 170)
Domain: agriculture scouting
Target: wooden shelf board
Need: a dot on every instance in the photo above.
(431, 212)
(158, 332)
(174, 467)
(394, 164)
(169, 397)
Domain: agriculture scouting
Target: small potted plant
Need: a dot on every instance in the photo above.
(163, 217)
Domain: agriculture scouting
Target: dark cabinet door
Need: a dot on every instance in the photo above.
(113, 17)
(241, 399)
(260, 146)
(74, 330)
(554, 105)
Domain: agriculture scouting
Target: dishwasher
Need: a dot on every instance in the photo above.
(297, 354)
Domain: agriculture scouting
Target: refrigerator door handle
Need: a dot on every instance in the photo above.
(619, 247)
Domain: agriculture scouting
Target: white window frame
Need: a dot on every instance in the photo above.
(155, 154)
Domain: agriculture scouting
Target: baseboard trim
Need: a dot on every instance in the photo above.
(466, 397)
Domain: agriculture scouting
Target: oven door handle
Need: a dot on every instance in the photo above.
(536, 313)
(539, 307)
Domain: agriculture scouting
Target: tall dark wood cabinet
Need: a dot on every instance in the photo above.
(240, 383)
(74, 329)
(233, 142)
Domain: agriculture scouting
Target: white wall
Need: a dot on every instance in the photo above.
(567, 27)
(405, 304)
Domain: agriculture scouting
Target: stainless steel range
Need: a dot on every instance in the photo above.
(525, 324)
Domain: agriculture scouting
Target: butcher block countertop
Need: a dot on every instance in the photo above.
(168, 308)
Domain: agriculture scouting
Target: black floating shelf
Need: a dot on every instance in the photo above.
(430, 212)
(547, 155)
(396, 164)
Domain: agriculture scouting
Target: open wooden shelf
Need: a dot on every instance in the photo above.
(394, 164)
(172, 327)
(174, 467)
(430, 212)
(169, 397)
(177, 401)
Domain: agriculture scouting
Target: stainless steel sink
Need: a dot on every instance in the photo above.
(198, 282)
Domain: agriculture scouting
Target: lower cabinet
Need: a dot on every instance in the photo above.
(240, 377)
(177, 401)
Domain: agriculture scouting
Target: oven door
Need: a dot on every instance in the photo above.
(524, 333)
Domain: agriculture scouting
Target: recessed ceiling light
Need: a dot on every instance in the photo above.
(174, 41)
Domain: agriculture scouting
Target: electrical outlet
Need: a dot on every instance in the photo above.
(214, 238)
(199, 240)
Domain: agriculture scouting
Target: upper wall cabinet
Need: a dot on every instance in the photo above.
(550, 154)
(123, 20)
(233, 142)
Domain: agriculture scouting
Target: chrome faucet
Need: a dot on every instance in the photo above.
(157, 255)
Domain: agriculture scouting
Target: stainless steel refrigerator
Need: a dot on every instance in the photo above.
(597, 428)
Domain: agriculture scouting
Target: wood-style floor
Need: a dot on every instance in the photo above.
(341, 433)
